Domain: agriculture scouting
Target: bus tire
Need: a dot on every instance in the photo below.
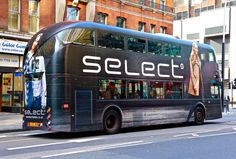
(111, 122)
(199, 116)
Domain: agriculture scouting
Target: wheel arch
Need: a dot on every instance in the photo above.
(112, 107)
(201, 105)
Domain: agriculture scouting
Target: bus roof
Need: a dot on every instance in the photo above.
(53, 29)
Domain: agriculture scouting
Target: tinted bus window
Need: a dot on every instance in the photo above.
(77, 36)
(136, 45)
(173, 90)
(137, 89)
(156, 90)
(172, 50)
(207, 55)
(110, 40)
(154, 47)
(112, 89)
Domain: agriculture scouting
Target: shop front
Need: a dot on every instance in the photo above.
(11, 76)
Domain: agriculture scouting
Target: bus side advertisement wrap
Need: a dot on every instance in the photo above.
(35, 109)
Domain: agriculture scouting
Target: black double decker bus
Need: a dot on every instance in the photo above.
(83, 76)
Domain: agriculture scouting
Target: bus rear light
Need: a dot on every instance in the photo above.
(65, 106)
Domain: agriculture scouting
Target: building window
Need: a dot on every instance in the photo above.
(163, 29)
(13, 14)
(102, 18)
(72, 13)
(197, 12)
(152, 28)
(162, 5)
(142, 2)
(141, 26)
(152, 3)
(33, 15)
(179, 16)
(120, 22)
(185, 15)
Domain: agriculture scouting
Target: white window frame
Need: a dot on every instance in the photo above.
(16, 12)
(38, 17)
(78, 12)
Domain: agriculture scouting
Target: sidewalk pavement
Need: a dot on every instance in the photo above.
(10, 122)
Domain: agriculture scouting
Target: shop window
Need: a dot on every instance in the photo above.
(72, 13)
(33, 15)
(13, 15)
(7, 90)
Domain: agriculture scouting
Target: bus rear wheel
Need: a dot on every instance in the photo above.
(111, 122)
(199, 116)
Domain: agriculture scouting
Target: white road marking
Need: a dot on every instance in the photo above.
(187, 134)
(50, 144)
(196, 134)
(212, 135)
(100, 148)
(84, 140)
(234, 129)
(3, 136)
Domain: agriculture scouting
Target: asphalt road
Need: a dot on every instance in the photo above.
(214, 140)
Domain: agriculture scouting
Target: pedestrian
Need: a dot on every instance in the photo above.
(226, 103)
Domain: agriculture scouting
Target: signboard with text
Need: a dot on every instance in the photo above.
(11, 46)
(9, 60)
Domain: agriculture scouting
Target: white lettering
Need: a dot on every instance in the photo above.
(158, 69)
(112, 66)
(173, 69)
(91, 64)
(130, 73)
(148, 69)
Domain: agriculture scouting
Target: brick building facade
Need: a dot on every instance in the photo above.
(155, 16)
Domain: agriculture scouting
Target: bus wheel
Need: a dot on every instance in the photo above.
(199, 116)
(111, 122)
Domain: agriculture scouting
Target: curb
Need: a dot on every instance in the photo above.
(11, 130)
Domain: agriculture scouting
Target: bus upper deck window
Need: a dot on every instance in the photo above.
(110, 40)
(136, 45)
(78, 36)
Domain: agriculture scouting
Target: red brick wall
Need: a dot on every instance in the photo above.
(47, 13)
(3, 14)
(24, 15)
(134, 15)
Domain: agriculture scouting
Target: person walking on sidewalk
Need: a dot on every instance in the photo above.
(226, 103)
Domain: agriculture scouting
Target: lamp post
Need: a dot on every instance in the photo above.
(223, 57)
